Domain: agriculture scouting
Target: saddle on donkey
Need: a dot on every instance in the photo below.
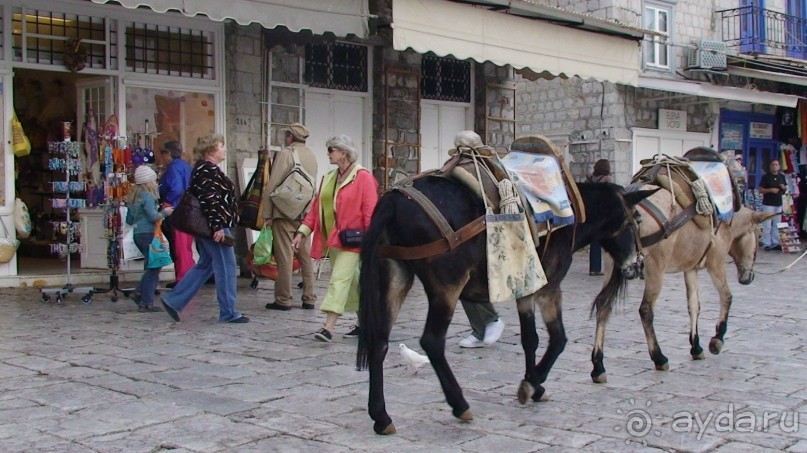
(701, 187)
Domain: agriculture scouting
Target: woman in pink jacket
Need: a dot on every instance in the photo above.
(346, 200)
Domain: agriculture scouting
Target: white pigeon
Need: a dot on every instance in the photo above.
(412, 358)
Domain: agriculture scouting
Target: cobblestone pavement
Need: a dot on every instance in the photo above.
(103, 377)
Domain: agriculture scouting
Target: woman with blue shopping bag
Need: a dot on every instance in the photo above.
(146, 217)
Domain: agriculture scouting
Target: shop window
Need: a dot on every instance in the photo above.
(657, 17)
(46, 37)
(336, 65)
(445, 79)
(173, 114)
(173, 51)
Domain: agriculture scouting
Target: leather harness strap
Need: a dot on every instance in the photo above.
(434, 214)
(667, 226)
(433, 248)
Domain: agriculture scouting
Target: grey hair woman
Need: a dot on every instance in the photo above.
(218, 200)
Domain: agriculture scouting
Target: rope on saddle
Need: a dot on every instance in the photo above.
(703, 205)
(510, 202)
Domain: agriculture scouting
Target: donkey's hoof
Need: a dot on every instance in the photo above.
(715, 346)
(525, 392)
(600, 379)
(466, 416)
(700, 356)
(663, 367)
(540, 395)
(386, 431)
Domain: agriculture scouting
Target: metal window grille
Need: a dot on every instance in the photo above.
(174, 51)
(40, 36)
(336, 65)
(445, 79)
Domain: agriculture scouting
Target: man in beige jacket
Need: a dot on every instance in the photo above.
(283, 228)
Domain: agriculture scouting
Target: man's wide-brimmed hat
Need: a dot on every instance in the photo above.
(298, 131)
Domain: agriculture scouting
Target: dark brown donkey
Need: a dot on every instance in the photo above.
(461, 274)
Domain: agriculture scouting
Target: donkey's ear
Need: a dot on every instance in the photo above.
(633, 198)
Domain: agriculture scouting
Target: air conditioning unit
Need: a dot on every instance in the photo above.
(709, 54)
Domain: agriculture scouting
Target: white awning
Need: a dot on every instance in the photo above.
(340, 17)
(719, 92)
(448, 28)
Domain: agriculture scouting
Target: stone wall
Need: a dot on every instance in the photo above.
(495, 105)
(243, 68)
(244, 65)
(396, 115)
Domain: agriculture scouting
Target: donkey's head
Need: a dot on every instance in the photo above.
(620, 242)
(744, 239)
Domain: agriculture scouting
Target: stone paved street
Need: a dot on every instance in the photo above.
(103, 377)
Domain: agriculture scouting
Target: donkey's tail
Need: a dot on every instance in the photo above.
(613, 292)
(374, 315)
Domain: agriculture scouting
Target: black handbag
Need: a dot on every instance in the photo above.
(351, 238)
(189, 218)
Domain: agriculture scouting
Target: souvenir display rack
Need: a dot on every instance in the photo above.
(120, 157)
(64, 160)
(117, 161)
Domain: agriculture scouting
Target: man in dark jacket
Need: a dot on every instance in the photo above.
(772, 186)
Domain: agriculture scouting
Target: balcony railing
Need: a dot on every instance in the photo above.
(754, 30)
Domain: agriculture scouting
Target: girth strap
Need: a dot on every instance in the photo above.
(433, 248)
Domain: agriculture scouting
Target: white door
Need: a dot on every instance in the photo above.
(649, 142)
(439, 124)
(330, 114)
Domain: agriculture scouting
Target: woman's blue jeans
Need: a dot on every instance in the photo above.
(214, 259)
(151, 277)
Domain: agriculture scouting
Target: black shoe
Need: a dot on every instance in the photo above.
(300, 285)
(135, 297)
(240, 320)
(171, 312)
(776, 247)
(171, 285)
(323, 335)
(354, 333)
(151, 309)
(307, 306)
(277, 306)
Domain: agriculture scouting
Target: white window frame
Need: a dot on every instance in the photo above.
(658, 42)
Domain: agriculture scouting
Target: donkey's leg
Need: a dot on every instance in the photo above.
(717, 271)
(652, 288)
(529, 342)
(442, 302)
(597, 354)
(399, 281)
(549, 302)
(694, 308)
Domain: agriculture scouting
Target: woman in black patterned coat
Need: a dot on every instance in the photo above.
(218, 199)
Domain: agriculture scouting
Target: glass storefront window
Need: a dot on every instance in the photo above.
(173, 114)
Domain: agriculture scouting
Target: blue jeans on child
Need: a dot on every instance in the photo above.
(214, 259)
(151, 277)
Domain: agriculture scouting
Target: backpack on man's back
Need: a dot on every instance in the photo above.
(295, 193)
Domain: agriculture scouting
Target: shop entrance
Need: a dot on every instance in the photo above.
(46, 102)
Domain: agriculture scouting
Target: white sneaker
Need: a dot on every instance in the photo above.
(472, 342)
(493, 332)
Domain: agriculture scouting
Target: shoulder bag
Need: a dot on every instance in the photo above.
(189, 218)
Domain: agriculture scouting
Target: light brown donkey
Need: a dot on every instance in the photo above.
(687, 249)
